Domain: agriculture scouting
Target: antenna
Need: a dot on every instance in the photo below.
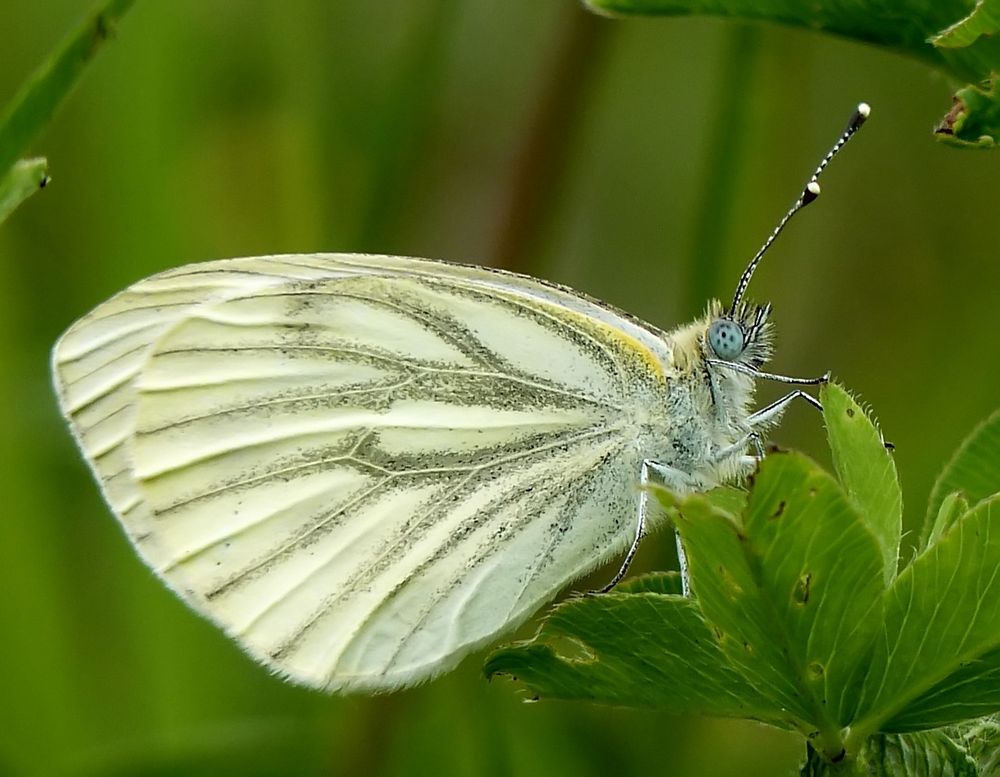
(809, 193)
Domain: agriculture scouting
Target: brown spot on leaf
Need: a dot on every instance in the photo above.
(947, 125)
(802, 587)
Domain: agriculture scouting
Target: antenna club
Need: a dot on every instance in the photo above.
(861, 114)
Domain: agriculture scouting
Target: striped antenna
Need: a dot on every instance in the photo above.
(809, 193)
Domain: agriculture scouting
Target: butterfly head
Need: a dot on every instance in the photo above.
(743, 335)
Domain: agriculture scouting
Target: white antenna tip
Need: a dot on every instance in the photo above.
(864, 109)
(813, 188)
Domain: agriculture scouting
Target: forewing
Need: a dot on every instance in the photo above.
(96, 362)
(365, 473)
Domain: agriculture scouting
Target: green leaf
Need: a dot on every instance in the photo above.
(652, 583)
(983, 20)
(37, 100)
(952, 509)
(939, 659)
(974, 470)
(21, 181)
(942, 33)
(866, 470)
(731, 500)
(974, 118)
(863, 21)
(981, 738)
(640, 647)
(795, 591)
(925, 754)
(791, 622)
(972, 690)
(728, 592)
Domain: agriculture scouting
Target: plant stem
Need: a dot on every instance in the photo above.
(38, 99)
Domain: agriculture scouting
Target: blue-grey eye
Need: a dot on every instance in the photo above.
(726, 339)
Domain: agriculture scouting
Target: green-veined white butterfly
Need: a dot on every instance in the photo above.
(364, 467)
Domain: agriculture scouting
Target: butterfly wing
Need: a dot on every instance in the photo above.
(361, 467)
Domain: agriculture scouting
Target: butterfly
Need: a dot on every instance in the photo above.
(363, 468)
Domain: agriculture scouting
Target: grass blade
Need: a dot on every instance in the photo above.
(38, 99)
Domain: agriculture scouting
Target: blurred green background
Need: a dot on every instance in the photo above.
(641, 161)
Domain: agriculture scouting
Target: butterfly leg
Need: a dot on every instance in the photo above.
(671, 478)
(771, 413)
(682, 562)
(763, 417)
(736, 449)
(746, 369)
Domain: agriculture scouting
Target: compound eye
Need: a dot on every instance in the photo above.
(726, 339)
